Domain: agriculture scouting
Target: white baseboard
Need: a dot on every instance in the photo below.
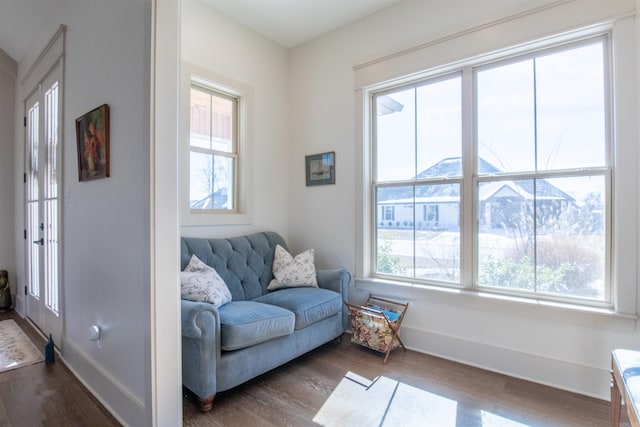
(124, 406)
(586, 380)
(18, 305)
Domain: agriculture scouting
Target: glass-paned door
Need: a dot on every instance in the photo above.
(42, 195)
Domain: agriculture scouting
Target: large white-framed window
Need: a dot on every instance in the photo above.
(215, 158)
(499, 171)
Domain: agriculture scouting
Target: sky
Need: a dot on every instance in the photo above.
(559, 116)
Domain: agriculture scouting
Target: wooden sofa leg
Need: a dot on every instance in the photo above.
(206, 403)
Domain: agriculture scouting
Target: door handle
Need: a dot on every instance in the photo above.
(39, 242)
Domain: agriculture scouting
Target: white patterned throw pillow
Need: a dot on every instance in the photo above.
(293, 272)
(200, 282)
(195, 264)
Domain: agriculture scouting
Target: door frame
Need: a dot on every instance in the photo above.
(50, 60)
(164, 400)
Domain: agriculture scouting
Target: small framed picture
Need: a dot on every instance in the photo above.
(321, 168)
(92, 134)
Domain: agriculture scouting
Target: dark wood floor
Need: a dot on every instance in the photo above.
(46, 395)
(292, 394)
(49, 395)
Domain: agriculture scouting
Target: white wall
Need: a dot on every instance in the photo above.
(565, 348)
(8, 70)
(323, 110)
(105, 239)
(212, 42)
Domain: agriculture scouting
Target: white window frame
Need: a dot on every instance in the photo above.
(470, 179)
(623, 108)
(242, 213)
(233, 153)
(605, 171)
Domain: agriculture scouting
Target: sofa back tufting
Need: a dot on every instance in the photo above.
(245, 263)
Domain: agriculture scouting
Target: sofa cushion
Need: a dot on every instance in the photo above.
(245, 323)
(199, 282)
(310, 305)
(292, 271)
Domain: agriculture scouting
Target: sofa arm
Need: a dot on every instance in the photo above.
(195, 324)
(336, 280)
(200, 349)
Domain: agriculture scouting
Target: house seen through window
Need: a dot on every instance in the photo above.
(213, 150)
(529, 163)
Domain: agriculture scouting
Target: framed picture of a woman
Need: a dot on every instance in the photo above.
(92, 134)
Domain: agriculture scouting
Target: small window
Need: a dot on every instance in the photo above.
(388, 213)
(213, 150)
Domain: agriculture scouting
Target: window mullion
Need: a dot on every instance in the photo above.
(534, 209)
(210, 134)
(469, 229)
(415, 173)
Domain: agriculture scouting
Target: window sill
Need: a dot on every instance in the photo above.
(206, 218)
(502, 304)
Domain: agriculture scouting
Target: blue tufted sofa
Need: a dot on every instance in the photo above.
(259, 329)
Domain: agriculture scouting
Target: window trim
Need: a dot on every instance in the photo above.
(233, 154)
(243, 212)
(622, 247)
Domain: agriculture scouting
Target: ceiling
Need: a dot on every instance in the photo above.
(293, 22)
(19, 20)
(286, 22)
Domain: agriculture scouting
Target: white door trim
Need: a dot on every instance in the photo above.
(164, 402)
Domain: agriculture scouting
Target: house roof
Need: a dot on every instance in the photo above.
(388, 105)
(451, 168)
(215, 200)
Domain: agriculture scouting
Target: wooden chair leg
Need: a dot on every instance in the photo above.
(206, 403)
(615, 402)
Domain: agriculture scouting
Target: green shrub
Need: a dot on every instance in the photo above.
(387, 262)
(564, 265)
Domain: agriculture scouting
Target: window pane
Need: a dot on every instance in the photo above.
(545, 113)
(562, 252)
(570, 238)
(570, 108)
(419, 236)
(394, 223)
(439, 123)
(437, 235)
(505, 114)
(200, 118)
(222, 124)
(51, 140)
(211, 181)
(395, 136)
(212, 121)
(506, 234)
